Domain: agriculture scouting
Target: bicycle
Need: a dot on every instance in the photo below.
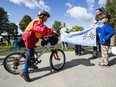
(13, 63)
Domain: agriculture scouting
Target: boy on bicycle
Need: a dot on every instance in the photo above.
(33, 32)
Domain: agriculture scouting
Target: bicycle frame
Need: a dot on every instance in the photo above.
(48, 46)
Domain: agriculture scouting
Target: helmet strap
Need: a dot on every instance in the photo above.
(41, 17)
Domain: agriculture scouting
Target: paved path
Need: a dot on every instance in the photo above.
(79, 71)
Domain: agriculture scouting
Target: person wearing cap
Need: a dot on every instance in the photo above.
(33, 32)
(106, 32)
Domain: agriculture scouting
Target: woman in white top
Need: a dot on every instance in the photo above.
(96, 23)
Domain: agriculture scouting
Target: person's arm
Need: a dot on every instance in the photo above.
(110, 31)
(61, 30)
(42, 29)
(67, 30)
(93, 23)
(98, 29)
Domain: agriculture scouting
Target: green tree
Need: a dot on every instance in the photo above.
(3, 19)
(24, 22)
(77, 28)
(110, 9)
(11, 27)
(57, 26)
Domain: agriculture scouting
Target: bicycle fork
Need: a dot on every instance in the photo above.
(56, 54)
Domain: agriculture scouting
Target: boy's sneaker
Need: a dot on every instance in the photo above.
(25, 76)
(103, 64)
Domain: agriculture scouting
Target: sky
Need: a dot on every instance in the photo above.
(71, 12)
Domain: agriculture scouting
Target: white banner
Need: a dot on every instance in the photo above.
(84, 38)
(113, 49)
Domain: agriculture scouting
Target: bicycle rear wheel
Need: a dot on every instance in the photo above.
(57, 59)
(14, 62)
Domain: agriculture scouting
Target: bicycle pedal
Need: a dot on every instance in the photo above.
(15, 67)
(39, 61)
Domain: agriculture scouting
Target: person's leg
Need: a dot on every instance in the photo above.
(66, 45)
(79, 49)
(95, 51)
(98, 42)
(76, 49)
(8, 42)
(102, 54)
(63, 45)
(29, 54)
(25, 73)
(2, 40)
(104, 58)
(32, 65)
(94, 55)
(99, 52)
(99, 46)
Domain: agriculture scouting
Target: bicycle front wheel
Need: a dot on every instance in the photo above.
(57, 59)
(14, 62)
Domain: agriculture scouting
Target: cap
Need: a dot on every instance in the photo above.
(105, 16)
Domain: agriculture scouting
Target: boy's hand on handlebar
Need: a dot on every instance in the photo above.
(51, 31)
(55, 34)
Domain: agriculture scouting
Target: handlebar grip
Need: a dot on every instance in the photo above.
(55, 34)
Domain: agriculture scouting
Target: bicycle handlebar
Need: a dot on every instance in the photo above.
(47, 37)
(53, 39)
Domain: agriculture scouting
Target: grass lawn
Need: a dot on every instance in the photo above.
(5, 50)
